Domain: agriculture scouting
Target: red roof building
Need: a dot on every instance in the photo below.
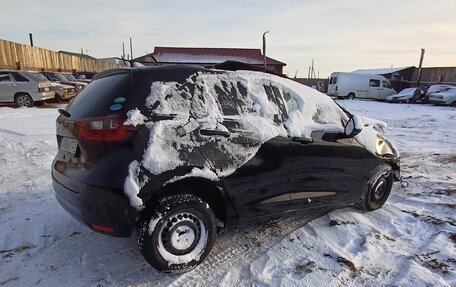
(209, 56)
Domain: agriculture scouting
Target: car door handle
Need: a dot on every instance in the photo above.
(302, 140)
(205, 132)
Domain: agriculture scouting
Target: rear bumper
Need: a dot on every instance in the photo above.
(43, 96)
(103, 210)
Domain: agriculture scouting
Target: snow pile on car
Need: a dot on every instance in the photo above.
(196, 104)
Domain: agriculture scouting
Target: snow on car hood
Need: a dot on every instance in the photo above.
(195, 104)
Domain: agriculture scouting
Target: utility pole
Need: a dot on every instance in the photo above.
(264, 48)
(31, 39)
(131, 50)
(419, 68)
(123, 50)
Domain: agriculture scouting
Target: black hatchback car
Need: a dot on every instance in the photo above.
(176, 151)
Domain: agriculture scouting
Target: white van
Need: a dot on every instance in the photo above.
(354, 85)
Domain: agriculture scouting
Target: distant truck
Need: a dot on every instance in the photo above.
(357, 85)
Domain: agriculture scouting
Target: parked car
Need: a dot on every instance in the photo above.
(63, 92)
(356, 85)
(435, 88)
(444, 97)
(24, 88)
(61, 79)
(177, 151)
(404, 96)
(85, 77)
(422, 93)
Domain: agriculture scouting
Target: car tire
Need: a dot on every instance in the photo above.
(453, 104)
(23, 100)
(378, 188)
(58, 99)
(351, 96)
(159, 234)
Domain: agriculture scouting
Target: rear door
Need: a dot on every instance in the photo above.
(256, 178)
(7, 87)
(332, 85)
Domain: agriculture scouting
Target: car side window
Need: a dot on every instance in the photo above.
(274, 96)
(228, 97)
(19, 78)
(5, 77)
(374, 83)
(51, 77)
(385, 84)
(291, 103)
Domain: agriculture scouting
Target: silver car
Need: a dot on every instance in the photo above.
(445, 97)
(63, 92)
(24, 88)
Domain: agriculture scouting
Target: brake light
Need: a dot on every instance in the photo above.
(106, 130)
(42, 88)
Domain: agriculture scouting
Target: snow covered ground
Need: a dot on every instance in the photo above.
(411, 241)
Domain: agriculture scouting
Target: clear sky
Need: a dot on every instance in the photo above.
(338, 35)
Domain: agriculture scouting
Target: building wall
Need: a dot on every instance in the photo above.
(446, 75)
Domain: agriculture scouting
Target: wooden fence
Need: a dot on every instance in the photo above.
(24, 57)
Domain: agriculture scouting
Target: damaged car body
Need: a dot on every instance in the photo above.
(175, 151)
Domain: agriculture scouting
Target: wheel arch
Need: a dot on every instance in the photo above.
(212, 192)
(17, 94)
(396, 170)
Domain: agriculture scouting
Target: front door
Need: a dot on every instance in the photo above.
(328, 169)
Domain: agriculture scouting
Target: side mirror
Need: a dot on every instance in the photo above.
(353, 126)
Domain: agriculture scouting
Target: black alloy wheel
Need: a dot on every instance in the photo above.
(378, 188)
(178, 233)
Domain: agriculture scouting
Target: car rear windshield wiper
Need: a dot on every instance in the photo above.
(65, 113)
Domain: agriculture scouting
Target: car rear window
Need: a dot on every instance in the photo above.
(19, 78)
(36, 76)
(104, 96)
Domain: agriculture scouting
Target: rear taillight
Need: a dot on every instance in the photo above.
(106, 130)
(42, 88)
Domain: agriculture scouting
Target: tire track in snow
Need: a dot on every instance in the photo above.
(241, 247)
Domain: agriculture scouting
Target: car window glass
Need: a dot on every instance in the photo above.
(35, 76)
(19, 78)
(96, 99)
(59, 77)
(271, 92)
(335, 80)
(374, 83)
(5, 77)
(385, 84)
(70, 77)
(291, 103)
(226, 96)
(50, 77)
(279, 101)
